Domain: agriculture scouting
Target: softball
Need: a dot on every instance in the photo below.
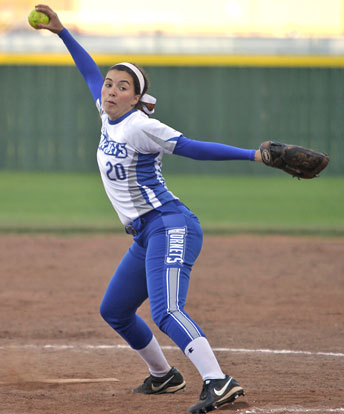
(36, 17)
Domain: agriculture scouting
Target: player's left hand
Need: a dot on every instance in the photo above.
(295, 160)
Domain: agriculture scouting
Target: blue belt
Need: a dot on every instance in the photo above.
(137, 225)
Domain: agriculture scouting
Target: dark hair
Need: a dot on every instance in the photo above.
(124, 68)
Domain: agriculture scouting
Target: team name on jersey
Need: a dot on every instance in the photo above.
(109, 147)
(175, 245)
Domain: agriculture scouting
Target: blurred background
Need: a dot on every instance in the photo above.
(233, 71)
(269, 18)
(236, 71)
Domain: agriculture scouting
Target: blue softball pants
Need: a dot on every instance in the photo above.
(157, 266)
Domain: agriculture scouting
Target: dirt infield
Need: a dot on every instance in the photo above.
(272, 307)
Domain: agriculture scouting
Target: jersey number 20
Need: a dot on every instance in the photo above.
(115, 171)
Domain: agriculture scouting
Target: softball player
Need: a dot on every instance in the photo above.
(167, 236)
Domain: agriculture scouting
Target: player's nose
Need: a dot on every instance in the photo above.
(112, 91)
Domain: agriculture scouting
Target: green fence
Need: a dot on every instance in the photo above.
(49, 122)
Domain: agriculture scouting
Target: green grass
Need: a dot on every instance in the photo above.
(77, 202)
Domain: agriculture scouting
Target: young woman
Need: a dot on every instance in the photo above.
(167, 236)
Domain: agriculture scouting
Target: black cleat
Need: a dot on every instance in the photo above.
(169, 383)
(215, 393)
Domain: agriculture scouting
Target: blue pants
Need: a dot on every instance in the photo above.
(158, 266)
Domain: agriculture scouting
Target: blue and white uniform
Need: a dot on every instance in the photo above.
(167, 235)
(129, 158)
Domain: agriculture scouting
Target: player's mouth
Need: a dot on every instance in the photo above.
(111, 102)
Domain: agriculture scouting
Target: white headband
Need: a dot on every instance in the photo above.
(148, 101)
(137, 72)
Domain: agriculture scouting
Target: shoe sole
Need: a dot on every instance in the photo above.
(172, 390)
(233, 394)
(168, 390)
(230, 397)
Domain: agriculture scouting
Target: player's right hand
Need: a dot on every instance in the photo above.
(54, 25)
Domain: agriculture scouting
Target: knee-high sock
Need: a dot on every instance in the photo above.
(202, 356)
(154, 358)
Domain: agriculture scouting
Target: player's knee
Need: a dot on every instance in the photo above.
(104, 311)
(108, 313)
(114, 317)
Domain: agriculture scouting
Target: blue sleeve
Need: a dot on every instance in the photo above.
(84, 63)
(210, 151)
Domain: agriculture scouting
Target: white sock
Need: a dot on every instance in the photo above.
(154, 358)
(202, 356)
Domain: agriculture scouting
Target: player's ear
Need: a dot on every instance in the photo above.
(136, 99)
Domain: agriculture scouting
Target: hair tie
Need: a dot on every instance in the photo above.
(148, 103)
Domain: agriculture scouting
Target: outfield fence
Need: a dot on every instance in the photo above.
(49, 121)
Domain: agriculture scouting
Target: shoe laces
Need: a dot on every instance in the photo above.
(147, 379)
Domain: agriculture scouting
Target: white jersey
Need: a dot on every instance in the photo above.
(129, 159)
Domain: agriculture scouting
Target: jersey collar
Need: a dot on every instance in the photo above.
(118, 120)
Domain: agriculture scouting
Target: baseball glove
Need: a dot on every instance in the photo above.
(298, 161)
